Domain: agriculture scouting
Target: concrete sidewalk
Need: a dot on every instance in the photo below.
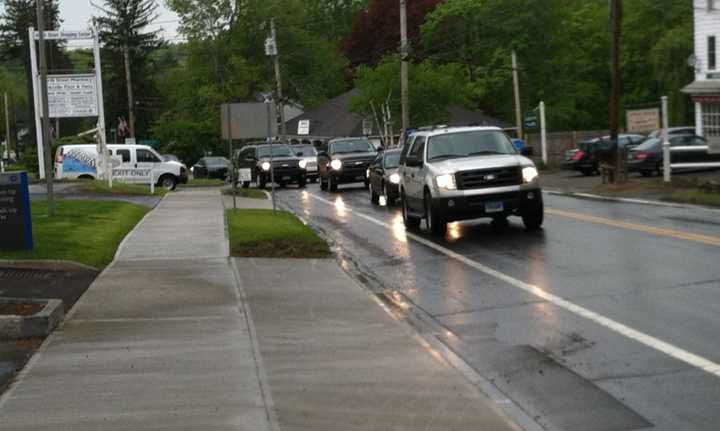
(159, 341)
(336, 361)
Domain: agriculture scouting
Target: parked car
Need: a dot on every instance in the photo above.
(80, 162)
(344, 161)
(584, 158)
(212, 167)
(287, 167)
(647, 158)
(452, 174)
(683, 130)
(384, 178)
(309, 154)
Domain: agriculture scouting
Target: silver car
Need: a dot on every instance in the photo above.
(452, 174)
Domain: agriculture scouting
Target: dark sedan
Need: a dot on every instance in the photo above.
(584, 158)
(647, 158)
(211, 167)
(384, 178)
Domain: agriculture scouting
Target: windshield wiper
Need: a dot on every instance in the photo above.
(484, 153)
(446, 156)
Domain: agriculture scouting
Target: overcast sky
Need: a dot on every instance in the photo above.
(76, 15)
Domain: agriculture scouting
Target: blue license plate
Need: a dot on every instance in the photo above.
(494, 207)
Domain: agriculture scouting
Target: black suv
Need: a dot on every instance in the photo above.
(287, 167)
(345, 160)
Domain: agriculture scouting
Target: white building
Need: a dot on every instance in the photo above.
(705, 90)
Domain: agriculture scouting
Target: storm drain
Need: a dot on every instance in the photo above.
(23, 274)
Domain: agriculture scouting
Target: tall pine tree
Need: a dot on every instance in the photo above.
(128, 45)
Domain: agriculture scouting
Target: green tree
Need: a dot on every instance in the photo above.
(434, 89)
(123, 26)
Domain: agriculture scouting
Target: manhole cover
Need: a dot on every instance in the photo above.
(23, 274)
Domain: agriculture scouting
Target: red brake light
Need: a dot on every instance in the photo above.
(577, 156)
(641, 155)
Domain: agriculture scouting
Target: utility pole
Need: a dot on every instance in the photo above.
(615, 21)
(45, 111)
(404, 54)
(516, 90)
(131, 100)
(7, 126)
(278, 80)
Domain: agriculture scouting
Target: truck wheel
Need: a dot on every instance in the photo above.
(389, 200)
(262, 183)
(409, 221)
(168, 182)
(332, 184)
(533, 217)
(302, 182)
(323, 185)
(436, 223)
(374, 197)
(245, 184)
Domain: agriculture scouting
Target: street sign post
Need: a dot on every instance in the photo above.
(643, 120)
(15, 223)
(530, 122)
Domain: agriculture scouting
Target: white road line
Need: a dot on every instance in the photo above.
(645, 339)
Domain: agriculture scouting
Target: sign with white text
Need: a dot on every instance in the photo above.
(303, 127)
(71, 96)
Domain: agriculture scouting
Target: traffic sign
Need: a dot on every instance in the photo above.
(304, 127)
(530, 122)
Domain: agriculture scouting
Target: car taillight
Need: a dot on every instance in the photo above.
(641, 155)
(577, 156)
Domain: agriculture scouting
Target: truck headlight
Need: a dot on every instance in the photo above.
(395, 178)
(529, 174)
(265, 166)
(302, 164)
(336, 164)
(446, 181)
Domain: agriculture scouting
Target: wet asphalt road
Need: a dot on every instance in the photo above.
(604, 320)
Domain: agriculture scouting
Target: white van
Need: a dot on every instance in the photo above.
(80, 162)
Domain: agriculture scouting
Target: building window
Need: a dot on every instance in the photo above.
(711, 53)
(711, 119)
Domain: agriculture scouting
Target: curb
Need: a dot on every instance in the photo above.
(601, 198)
(40, 324)
(47, 265)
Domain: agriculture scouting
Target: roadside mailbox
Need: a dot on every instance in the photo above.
(15, 224)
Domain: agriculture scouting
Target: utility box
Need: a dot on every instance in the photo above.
(15, 223)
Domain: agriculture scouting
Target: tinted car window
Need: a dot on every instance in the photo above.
(359, 146)
(392, 160)
(145, 156)
(216, 161)
(125, 154)
(649, 145)
(277, 151)
(465, 144)
(305, 150)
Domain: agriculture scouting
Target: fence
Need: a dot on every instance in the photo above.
(559, 142)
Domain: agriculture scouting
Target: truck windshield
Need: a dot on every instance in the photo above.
(277, 151)
(468, 144)
(359, 146)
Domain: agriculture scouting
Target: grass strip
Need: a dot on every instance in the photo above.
(246, 193)
(87, 232)
(205, 182)
(694, 197)
(259, 233)
(101, 188)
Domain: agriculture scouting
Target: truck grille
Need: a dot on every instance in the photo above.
(487, 178)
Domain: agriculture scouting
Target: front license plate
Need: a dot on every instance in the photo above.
(494, 207)
(285, 178)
